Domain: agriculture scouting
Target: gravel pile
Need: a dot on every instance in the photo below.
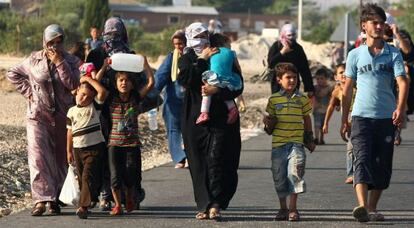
(14, 172)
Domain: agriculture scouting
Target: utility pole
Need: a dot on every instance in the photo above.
(300, 20)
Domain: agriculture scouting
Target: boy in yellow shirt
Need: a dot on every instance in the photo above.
(290, 124)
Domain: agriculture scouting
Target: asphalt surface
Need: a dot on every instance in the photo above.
(328, 202)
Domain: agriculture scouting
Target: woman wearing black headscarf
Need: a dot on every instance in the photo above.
(115, 40)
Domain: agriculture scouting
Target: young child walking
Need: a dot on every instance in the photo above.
(221, 75)
(124, 144)
(290, 124)
(323, 93)
(85, 142)
(335, 101)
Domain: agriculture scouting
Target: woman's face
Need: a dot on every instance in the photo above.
(178, 44)
(55, 44)
(123, 84)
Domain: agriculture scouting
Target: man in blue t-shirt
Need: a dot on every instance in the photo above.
(375, 67)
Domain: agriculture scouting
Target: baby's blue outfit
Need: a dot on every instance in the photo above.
(221, 70)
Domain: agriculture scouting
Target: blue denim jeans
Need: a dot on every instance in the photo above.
(288, 168)
(175, 140)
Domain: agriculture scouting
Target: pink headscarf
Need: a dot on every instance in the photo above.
(287, 34)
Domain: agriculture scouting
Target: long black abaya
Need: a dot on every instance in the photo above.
(212, 149)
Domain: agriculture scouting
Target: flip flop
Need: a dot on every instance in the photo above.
(201, 216)
(38, 209)
(294, 216)
(54, 208)
(282, 215)
(214, 214)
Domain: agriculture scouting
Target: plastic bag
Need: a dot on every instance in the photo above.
(70, 191)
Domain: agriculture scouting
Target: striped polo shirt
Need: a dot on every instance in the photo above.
(289, 112)
(85, 124)
(124, 117)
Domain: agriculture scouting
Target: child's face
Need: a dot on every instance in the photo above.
(340, 75)
(288, 81)
(95, 33)
(178, 44)
(84, 96)
(321, 80)
(123, 84)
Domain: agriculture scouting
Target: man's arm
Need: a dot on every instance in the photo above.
(397, 116)
(346, 105)
(405, 45)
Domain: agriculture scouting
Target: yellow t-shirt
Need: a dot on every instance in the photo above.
(289, 112)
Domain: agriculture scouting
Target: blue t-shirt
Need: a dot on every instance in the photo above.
(221, 70)
(375, 77)
(93, 44)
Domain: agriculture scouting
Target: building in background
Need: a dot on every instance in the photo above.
(157, 18)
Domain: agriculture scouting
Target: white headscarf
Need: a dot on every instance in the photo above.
(287, 33)
(51, 32)
(198, 44)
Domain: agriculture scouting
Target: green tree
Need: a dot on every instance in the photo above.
(407, 17)
(96, 12)
(319, 26)
(280, 7)
(66, 14)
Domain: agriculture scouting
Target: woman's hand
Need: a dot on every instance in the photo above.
(208, 52)
(286, 48)
(208, 90)
(54, 55)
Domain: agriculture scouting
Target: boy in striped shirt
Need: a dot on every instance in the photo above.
(85, 142)
(291, 128)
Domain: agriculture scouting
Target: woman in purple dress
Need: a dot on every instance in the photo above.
(45, 79)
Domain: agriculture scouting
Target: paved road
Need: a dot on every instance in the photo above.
(328, 202)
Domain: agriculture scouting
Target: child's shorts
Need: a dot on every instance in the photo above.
(288, 168)
(318, 119)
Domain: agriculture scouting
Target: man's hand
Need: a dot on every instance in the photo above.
(325, 128)
(345, 131)
(397, 117)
